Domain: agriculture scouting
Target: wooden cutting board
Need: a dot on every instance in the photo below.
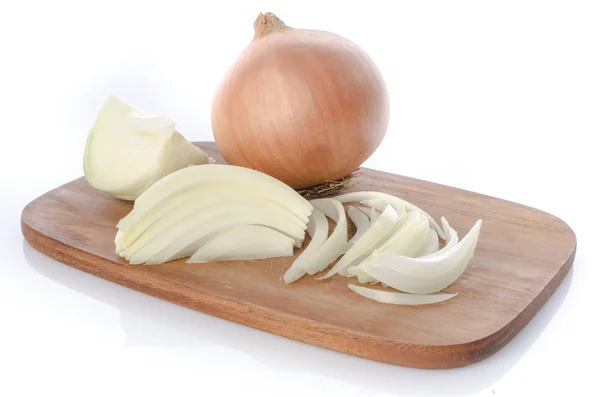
(522, 256)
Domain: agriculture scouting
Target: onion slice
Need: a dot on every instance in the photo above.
(451, 240)
(429, 274)
(192, 199)
(368, 242)
(371, 212)
(409, 236)
(187, 236)
(399, 298)
(319, 258)
(393, 200)
(205, 176)
(335, 245)
(245, 242)
(432, 245)
(360, 220)
(317, 228)
(195, 209)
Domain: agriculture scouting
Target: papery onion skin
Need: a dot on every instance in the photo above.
(304, 106)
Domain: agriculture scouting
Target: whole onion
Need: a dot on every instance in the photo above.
(304, 106)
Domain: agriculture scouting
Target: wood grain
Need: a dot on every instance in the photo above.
(522, 257)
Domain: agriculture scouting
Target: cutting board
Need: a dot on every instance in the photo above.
(522, 256)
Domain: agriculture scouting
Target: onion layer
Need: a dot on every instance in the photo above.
(360, 220)
(367, 242)
(425, 275)
(379, 198)
(246, 242)
(399, 298)
(317, 228)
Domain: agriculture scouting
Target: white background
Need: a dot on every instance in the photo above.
(502, 98)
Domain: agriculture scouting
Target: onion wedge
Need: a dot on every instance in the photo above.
(360, 220)
(377, 233)
(128, 149)
(399, 298)
(245, 242)
(428, 274)
(393, 200)
(317, 228)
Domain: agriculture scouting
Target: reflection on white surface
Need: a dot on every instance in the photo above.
(148, 321)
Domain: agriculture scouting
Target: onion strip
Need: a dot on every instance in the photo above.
(369, 241)
(451, 241)
(336, 243)
(425, 275)
(317, 228)
(432, 245)
(399, 298)
(393, 200)
(360, 220)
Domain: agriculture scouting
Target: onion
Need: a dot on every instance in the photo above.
(187, 236)
(379, 198)
(405, 233)
(373, 214)
(425, 275)
(409, 239)
(317, 228)
(331, 249)
(182, 212)
(127, 150)
(451, 241)
(244, 242)
(201, 179)
(399, 298)
(195, 212)
(432, 245)
(367, 242)
(360, 220)
(304, 106)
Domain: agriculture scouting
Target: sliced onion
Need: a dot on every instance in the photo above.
(360, 220)
(245, 242)
(377, 204)
(359, 270)
(371, 212)
(406, 236)
(194, 198)
(368, 242)
(317, 228)
(333, 247)
(197, 209)
(399, 298)
(425, 275)
(207, 177)
(188, 236)
(393, 200)
(432, 245)
(451, 241)
(360, 273)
